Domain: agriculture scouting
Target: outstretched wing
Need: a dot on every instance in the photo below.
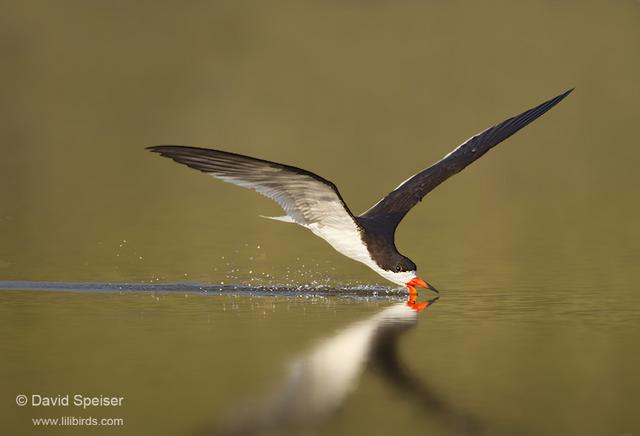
(306, 197)
(388, 212)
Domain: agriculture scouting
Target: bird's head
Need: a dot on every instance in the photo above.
(403, 272)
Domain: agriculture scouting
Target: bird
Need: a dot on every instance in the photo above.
(315, 203)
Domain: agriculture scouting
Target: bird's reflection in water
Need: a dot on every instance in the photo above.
(321, 380)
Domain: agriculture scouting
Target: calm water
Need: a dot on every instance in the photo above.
(126, 275)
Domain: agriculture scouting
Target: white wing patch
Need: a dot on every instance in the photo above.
(304, 199)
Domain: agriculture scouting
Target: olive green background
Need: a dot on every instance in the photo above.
(535, 247)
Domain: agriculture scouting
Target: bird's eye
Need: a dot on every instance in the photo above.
(398, 268)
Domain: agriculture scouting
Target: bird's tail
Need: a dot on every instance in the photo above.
(284, 218)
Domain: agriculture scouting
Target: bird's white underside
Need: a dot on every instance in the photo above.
(346, 240)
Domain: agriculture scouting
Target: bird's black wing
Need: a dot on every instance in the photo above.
(388, 212)
(306, 197)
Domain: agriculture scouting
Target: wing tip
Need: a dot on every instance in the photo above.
(553, 101)
(564, 94)
(175, 152)
(184, 155)
(162, 149)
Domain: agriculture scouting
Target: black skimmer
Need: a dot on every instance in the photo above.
(315, 203)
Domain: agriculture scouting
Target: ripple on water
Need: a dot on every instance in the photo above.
(354, 291)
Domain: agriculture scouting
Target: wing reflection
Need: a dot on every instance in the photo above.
(320, 381)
